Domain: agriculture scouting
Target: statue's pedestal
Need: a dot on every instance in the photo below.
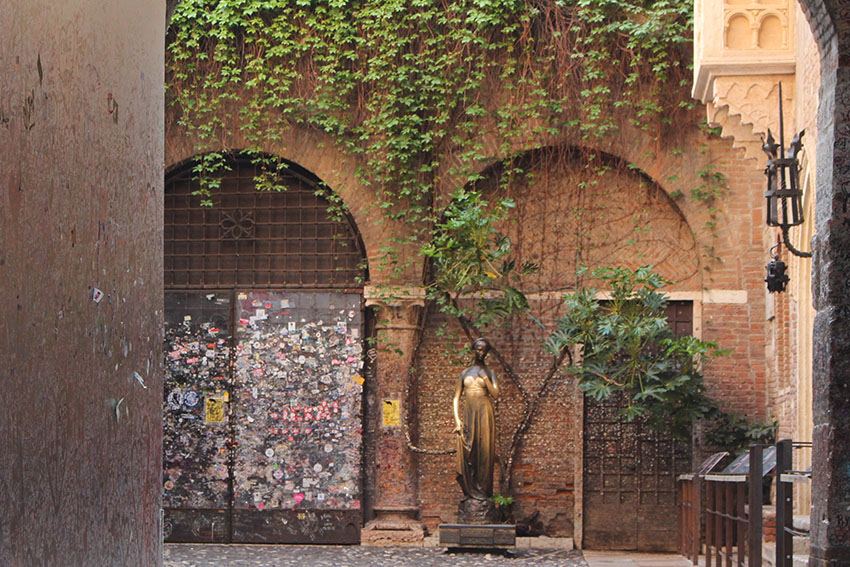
(486, 536)
(476, 527)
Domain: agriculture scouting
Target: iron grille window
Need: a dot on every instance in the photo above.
(252, 239)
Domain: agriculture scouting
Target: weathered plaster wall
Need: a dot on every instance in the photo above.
(80, 209)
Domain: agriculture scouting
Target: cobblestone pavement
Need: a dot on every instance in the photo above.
(197, 555)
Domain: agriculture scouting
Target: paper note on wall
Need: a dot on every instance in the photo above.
(214, 410)
(392, 413)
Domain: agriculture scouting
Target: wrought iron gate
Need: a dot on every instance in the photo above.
(630, 469)
(262, 427)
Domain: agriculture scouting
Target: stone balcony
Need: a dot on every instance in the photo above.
(742, 50)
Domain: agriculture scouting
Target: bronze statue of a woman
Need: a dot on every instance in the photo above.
(476, 432)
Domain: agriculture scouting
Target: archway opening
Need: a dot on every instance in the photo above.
(264, 329)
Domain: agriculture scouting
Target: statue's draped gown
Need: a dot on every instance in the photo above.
(476, 448)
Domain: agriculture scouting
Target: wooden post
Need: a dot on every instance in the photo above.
(697, 516)
(741, 521)
(729, 511)
(755, 518)
(709, 521)
(784, 506)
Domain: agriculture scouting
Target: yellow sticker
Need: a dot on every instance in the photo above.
(214, 410)
(359, 379)
(392, 413)
(225, 397)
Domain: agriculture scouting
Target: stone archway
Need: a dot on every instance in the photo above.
(264, 332)
(566, 198)
(580, 208)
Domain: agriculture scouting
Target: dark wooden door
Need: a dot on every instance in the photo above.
(630, 471)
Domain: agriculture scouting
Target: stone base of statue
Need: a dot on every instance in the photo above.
(476, 511)
(478, 537)
(476, 528)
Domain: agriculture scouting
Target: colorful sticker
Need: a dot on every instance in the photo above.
(191, 398)
(214, 410)
(175, 399)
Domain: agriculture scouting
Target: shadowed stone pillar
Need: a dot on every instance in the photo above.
(395, 505)
(81, 268)
(830, 521)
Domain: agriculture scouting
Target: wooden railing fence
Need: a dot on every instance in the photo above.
(721, 515)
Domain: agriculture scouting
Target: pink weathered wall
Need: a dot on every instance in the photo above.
(81, 122)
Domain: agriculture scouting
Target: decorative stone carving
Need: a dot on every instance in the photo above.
(745, 107)
(399, 305)
(742, 49)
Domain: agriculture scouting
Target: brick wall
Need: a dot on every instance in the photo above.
(789, 360)
(545, 471)
(631, 221)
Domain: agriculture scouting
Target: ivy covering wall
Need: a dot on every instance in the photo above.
(414, 88)
(434, 98)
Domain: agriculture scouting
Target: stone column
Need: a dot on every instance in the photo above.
(396, 511)
(830, 521)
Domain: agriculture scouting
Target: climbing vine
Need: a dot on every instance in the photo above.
(415, 88)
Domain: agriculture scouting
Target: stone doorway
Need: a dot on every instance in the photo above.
(630, 470)
(263, 386)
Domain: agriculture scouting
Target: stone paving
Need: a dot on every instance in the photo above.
(634, 559)
(205, 555)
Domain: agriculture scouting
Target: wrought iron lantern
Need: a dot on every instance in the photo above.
(777, 278)
(784, 195)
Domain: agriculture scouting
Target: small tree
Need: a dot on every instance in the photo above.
(627, 346)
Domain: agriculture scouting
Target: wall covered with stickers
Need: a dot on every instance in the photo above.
(263, 417)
